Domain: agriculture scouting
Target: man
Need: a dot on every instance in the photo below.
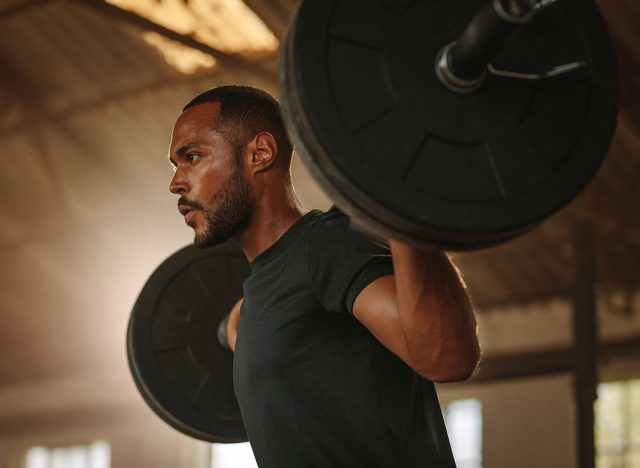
(335, 335)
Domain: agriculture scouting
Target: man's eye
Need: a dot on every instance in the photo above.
(192, 158)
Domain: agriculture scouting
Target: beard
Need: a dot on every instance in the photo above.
(227, 212)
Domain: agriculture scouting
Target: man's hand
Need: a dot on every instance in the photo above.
(232, 325)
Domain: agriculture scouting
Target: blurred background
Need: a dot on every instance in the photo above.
(89, 91)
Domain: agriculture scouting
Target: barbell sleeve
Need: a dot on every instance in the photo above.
(462, 64)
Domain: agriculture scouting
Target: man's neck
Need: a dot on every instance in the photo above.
(268, 224)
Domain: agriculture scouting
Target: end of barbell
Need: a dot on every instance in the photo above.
(449, 79)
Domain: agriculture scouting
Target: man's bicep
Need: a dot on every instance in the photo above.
(377, 309)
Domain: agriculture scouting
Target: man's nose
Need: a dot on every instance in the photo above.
(179, 183)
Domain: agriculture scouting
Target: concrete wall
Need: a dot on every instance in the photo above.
(526, 423)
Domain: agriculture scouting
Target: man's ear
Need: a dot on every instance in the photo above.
(264, 152)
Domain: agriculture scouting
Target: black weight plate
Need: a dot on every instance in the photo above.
(412, 160)
(180, 369)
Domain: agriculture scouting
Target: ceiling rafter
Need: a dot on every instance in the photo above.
(21, 7)
(609, 227)
(18, 90)
(232, 60)
(155, 84)
(275, 14)
(549, 361)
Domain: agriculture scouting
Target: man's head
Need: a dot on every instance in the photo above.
(245, 112)
(222, 145)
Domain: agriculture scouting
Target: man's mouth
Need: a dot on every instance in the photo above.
(187, 211)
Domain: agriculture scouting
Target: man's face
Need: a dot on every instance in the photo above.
(215, 197)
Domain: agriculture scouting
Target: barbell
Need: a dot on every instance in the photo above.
(179, 367)
(457, 124)
(459, 143)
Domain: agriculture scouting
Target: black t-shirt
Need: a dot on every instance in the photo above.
(315, 388)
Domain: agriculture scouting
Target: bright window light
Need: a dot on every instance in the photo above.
(617, 424)
(37, 457)
(95, 455)
(179, 56)
(232, 456)
(226, 25)
(463, 419)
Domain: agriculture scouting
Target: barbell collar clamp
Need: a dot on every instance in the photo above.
(461, 65)
(449, 79)
(519, 12)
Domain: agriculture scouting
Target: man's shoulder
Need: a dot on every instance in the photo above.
(335, 227)
(329, 223)
(333, 217)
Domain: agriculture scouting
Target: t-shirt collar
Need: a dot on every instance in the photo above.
(282, 242)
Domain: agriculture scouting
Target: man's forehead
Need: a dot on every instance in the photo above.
(205, 114)
(196, 121)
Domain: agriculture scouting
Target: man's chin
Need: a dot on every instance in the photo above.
(203, 240)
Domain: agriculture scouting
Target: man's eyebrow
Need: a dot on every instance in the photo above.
(184, 149)
(181, 151)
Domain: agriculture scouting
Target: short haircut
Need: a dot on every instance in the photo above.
(244, 112)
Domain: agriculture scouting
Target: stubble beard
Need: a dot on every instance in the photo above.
(231, 212)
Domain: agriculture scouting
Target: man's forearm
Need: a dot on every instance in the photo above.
(435, 314)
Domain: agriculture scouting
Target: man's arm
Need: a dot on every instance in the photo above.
(422, 314)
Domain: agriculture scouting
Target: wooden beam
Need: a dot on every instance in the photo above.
(85, 422)
(519, 300)
(523, 365)
(550, 361)
(585, 338)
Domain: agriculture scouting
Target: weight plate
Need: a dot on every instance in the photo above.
(180, 369)
(408, 158)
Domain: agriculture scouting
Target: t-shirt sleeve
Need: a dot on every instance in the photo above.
(342, 262)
